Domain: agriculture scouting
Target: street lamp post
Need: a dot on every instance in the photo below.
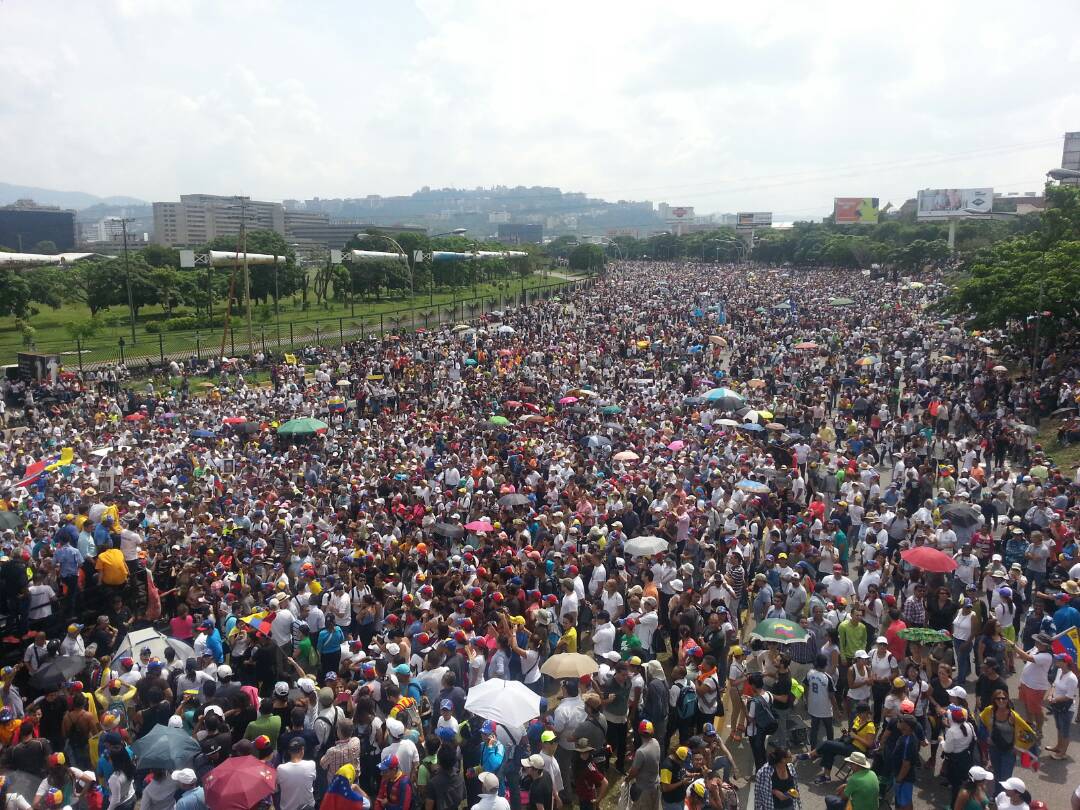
(127, 275)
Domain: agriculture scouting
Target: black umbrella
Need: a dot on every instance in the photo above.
(448, 530)
(578, 409)
(56, 671)
(165, 748)
(961, 514)
(614, 427)
(486, 425)
(514, 499)
(11, 520)
(247, 428)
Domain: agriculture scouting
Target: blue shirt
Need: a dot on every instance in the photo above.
(68, 559)
(1066, 617)
(192, 800)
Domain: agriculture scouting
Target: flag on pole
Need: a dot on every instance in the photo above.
(1067, 642)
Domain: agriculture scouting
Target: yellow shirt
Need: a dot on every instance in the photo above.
(569, 640)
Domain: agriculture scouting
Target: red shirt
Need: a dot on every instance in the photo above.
(897, 645)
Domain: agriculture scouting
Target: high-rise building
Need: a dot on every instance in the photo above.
(1070, 156)
(25, 224)
(200, 218)
(517, 233)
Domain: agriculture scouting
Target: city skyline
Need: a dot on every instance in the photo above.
(689, 105)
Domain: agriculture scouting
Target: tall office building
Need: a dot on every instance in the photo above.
(200, 218)
(25, 224)
(1070, 155)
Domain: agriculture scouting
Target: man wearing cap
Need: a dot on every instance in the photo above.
(191, 792)
(296, 778)
(644, 773)
(489, 798)
(541, 789)
(395, 786)
(674, 778)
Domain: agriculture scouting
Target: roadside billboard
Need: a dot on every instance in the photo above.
(855, 210)
(754, 219)
(945, 203)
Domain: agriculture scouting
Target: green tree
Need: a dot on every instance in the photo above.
(589, 258)
(47, 285)
(1026, 277)
(169, 286)
(15, 293)
(161, 256)
(95, 283)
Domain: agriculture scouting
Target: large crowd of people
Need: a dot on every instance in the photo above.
(728, 490)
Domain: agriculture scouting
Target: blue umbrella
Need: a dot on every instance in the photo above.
(753, 487)
(722, 393)
(202, 434)
(751, 426)
(695, 349)
(697, 313)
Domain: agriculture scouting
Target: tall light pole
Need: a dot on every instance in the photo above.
(127, 275)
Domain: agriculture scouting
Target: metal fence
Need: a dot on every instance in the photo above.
(277, 336)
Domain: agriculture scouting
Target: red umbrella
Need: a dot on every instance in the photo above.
(239, 783)
(234, 420)
(479, 526)
(929, 559)
(135, 417)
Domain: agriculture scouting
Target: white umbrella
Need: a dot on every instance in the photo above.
(626, 455)
(511, 704)
(157, 642)
(506, 330)
(645, 546)
(344, 384)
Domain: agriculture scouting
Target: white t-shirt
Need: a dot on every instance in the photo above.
(819, 686)
(603, 639)
(296, 779)
(1065, 685)
(281, 628)
(841, 587)
(1035, 673)
(961, 626)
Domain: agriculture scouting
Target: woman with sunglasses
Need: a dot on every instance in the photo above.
(1009, 734)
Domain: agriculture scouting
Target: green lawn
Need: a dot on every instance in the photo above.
(323, 324)
(1065, 457)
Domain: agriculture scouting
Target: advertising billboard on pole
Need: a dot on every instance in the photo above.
(951, 203)
(753, 219)
(855, 210)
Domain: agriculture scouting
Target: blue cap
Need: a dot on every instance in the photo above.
(445, 733)
(487, 728)
(446, 705)
(450, 644)
(402, 669)
(543, 705)
(709, 729)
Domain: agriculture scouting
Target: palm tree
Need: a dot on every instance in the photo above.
(427, 315)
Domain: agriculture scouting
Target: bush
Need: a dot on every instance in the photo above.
(187, 323)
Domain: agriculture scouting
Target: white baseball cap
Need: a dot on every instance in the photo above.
(1012, 783)
(958, 692)
(184, 776)
(978, 774)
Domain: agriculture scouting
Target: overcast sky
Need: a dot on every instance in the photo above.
(723, 106)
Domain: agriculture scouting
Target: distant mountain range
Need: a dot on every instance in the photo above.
(78, 200)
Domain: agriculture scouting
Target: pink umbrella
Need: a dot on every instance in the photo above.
(479, 526)
(678, 444)
(568, 400)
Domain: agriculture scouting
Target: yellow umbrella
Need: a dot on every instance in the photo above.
(716, 340)
(643, 344)
(865, 361)
(756, 383)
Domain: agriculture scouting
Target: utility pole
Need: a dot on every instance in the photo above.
(127, 274)
(247, 275)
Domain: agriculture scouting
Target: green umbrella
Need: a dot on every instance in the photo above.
(924, 635)
(500, 420)
(781, 631)
(611, 409)
(302, 427)
(841, 302)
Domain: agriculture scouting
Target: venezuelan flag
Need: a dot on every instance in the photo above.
(341, 796)
(1068, 642)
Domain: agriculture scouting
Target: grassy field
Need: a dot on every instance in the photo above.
(317, 323)
(1065, 457)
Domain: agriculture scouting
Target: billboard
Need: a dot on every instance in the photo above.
(943, 203)
(754, 219)
(855, 210)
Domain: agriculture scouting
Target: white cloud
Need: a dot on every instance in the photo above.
(781, 107)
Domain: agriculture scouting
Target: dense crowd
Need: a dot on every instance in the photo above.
(787, 510)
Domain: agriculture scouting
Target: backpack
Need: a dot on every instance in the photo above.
(764, 718)
(686, 705)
